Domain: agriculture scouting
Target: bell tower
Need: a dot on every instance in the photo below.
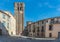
(19, 16)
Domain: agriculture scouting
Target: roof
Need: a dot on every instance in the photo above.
(45, 19)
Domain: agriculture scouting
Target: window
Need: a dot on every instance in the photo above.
(4, 23)
(21, 4)
(38, 29)
(42, 22)
(21, 8)
(30, 28)
(8, 18)
(33, 30)
(34, 27)
(50, 27)
(11, 33)
(52, 20)
(18, 8)
(57, 21)
(47, 21)
(3, 16)
(37, 34)
(50, 34)
(38, 23)
(0, 31)
(42, 30)
(7, 25)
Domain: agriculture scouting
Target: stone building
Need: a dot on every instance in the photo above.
(47, 28)
(19, 16)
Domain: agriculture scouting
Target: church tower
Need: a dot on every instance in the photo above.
(19, 16)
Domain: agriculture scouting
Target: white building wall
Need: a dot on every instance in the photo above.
(12, 26)
(11, 21)
(4, 29)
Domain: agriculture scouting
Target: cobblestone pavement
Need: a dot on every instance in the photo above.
(18, 39)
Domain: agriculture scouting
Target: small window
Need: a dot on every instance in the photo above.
(38, 29)
(7, 25)
(29, 28)
(38, 23)
(37, 34)
(8, 18)
(21, 8)
(52, 20)
(47, 21)
(42, 22)
(50, 34)
(50, 27)
(3, 16)
(42, 30)
(33, 30)
(34, 27)
(11, 33)
(4, 23)
(21, 4)
(18, 8)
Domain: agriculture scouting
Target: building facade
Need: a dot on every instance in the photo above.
(47, 28)
(7, 23)
(19, 16)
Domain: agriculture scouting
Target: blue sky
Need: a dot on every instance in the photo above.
(34, 9)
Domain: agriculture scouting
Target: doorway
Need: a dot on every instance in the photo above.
(58, 34)
(0, 31)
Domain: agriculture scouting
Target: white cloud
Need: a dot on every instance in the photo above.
(7, 0)
(58, 9)
(48, 5)
(45, 4)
